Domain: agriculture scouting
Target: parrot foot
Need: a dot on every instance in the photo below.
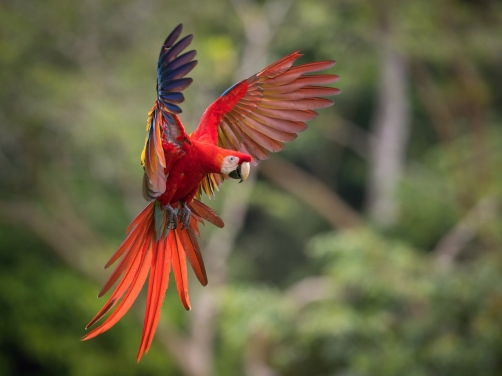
(172, 216)
(186, 214)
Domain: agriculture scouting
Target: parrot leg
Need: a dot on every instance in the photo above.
(185, 215)
(172, 216)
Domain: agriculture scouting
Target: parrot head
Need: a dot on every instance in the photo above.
(235, 167)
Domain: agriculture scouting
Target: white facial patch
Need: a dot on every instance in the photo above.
(229, 164)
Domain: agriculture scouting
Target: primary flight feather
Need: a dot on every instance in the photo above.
(244, 125)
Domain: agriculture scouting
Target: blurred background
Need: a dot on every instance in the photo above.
(370, 246)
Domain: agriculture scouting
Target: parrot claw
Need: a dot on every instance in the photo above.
(186, 214)
(172, 216)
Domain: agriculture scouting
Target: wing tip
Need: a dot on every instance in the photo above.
(171, 38)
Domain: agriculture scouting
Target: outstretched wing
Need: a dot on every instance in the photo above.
(258, 115)
(165, 134)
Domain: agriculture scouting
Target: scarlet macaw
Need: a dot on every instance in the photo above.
(248, 121)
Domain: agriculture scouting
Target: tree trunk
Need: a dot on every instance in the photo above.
(391, 127)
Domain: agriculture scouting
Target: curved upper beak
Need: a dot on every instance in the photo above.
(241, 172)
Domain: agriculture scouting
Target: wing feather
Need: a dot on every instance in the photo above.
(165, 133)
(258, 115)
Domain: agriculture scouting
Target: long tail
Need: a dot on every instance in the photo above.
(151, 247)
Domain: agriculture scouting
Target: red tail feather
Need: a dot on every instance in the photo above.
(126, 261)
(141, 254)
(157, 286)
(180, 268)
(193, 254)
(134, 287)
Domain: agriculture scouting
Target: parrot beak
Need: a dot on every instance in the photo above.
(242, 172)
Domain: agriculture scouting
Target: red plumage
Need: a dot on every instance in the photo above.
(251, 119)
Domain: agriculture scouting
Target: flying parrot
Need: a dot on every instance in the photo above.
(244, 125)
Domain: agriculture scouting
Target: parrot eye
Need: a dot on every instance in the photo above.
(230, 163)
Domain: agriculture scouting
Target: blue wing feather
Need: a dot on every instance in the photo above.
(175, 50)
(179, 72)
(173, 97)
(171, 81)
(182, 59)
(172, 69)
(177, 85)
(171, 38)
(171, 107)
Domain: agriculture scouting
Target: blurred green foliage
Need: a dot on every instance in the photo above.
(76, 82)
